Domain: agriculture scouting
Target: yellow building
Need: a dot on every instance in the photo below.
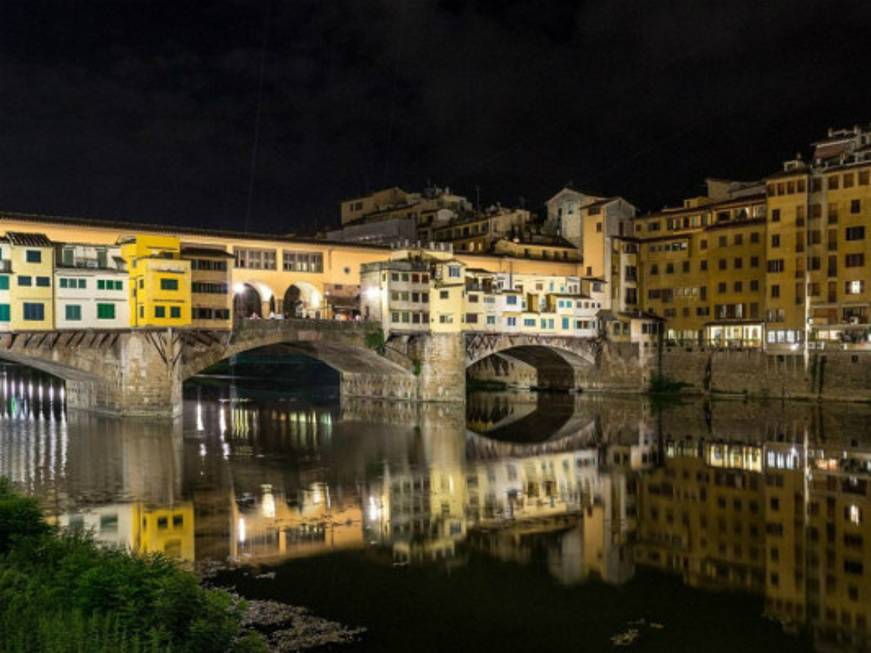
(818, 273)
(532, 246)
(26, 282)
(703, 266)
(160, 281)
(211, 292)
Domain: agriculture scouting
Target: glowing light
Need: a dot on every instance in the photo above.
(316, 299)
(241, 530)
(238, 288)
(200, 426)
(267, 506)
(373, 293)
(374, 510)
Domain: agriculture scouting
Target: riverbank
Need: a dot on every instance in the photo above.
(61, 591)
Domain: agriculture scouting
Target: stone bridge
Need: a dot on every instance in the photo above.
(141, 372)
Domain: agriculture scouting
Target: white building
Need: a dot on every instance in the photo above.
(90, 287)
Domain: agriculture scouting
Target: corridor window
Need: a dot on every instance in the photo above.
(307, 262)
(255, 259)
(169, 284)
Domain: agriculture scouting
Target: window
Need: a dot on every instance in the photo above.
(73, 312)
(754, 237)
(775, 265)
(105, 311)
(443, 294)
(721, 287)
(775, 215)
(775, 240)
(255, 259)
(34, 312)
(721, 264)
(471, 318)
(33, 256)
(4, 313)
(511, 321)
(175, 311)
(775, 291)
(722, 241)
(43, 282)
(159, 311)
(529, 322)
(833, 182)
(855, 233)
(739, 239)
(24, 280)
(854, 260)
(703, 265)
(169, 284)
(4, 282)
(454, 271)
(856, 287)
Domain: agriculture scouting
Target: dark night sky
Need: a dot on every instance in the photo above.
(146, 111)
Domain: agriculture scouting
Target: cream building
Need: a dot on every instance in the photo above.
(90, 287)
(428, 290)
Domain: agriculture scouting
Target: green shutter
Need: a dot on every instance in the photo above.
(4, 313)
(73, 312)
(4, 282)
(101, 284)
(83, 283)
(105, 311)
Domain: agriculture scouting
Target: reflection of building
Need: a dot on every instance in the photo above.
(141, 528)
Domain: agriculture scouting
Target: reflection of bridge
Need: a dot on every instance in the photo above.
(142, 371)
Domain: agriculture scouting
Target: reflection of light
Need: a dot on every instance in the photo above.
(241, 529)
(200, 426)
(374, 510)
(222, 421)
(317, 496)
(202, 450)
(267, 506)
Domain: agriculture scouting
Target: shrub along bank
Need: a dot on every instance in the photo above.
(62, 592)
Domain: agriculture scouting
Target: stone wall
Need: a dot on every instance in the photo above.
(839, 375)
(440, 366)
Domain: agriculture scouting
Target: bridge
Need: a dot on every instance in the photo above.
(142, 371)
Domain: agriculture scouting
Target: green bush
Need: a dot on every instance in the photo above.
(374, 339)
(61, 591)
(20, 517)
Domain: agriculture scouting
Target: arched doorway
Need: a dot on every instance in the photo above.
(247, 303)
(293, 304)
(302, 300)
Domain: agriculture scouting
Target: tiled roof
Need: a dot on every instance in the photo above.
(28, 239)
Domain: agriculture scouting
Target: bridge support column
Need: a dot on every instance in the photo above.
(440, 361)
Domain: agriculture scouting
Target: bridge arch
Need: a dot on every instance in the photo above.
(362, 372)
(544, 362)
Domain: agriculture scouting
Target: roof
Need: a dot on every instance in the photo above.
(195, 250)
(124, 226)
(28, 239)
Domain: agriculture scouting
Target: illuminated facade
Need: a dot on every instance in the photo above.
(428, 290)
(160, 281)
(26, 292)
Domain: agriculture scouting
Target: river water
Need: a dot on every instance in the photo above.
(526, 522)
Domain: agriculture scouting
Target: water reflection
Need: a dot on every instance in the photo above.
(772, 499)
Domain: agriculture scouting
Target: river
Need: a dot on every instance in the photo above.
(526, 522)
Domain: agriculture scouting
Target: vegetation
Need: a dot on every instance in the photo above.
(660, 384)
(374, 339)
(62, 592)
